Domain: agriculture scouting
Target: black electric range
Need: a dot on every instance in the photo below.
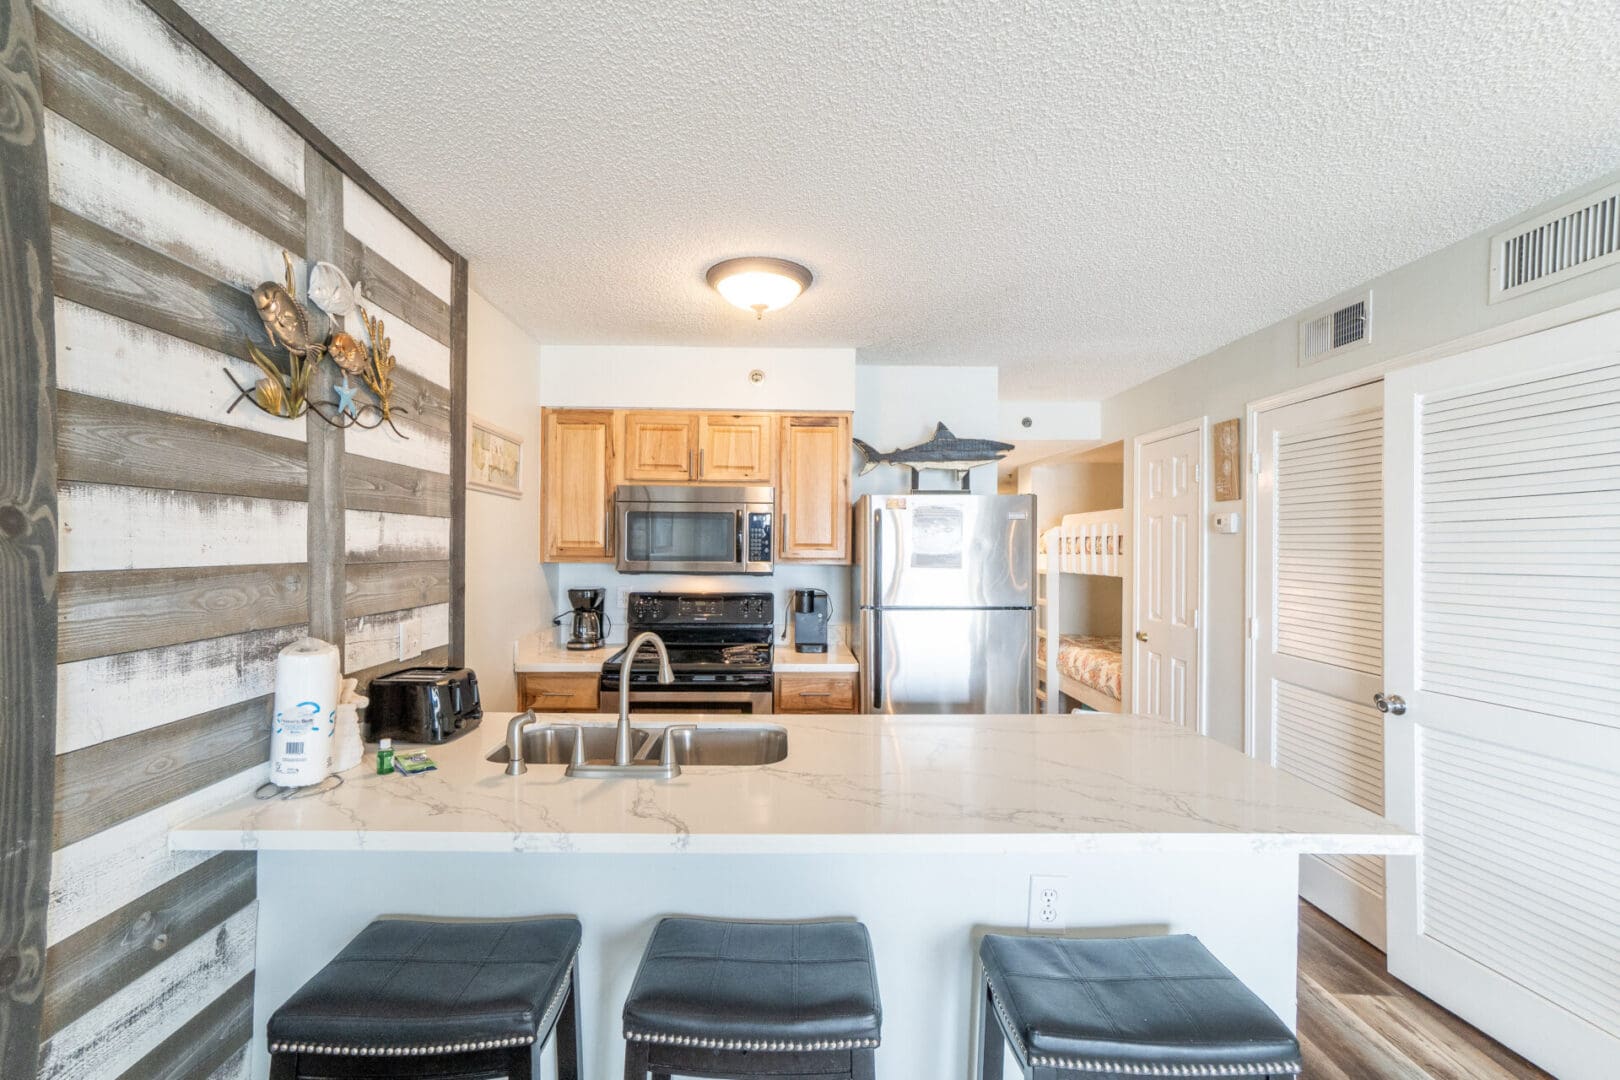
(720, 653)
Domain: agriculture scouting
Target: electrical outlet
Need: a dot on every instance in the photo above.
(410, 637)
(1048, 909)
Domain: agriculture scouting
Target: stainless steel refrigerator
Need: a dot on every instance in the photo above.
(945, 585)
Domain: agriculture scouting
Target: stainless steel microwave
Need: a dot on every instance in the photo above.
(694, 530)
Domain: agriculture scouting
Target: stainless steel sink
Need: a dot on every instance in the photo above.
(704, 745)
(555, 745)
(719, 744)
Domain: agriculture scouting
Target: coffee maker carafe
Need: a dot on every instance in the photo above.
(589, 625)
(812, 610)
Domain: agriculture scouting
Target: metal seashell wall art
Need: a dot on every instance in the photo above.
(284, 389)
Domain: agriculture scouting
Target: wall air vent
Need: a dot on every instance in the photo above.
(1344, 327)
(1576, 238)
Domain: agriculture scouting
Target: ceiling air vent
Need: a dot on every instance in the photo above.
(1576, 238)
(1342, 328)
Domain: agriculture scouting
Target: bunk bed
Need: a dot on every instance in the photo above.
(1083, 667)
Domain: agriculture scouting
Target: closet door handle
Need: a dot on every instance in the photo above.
(1141, 635)
(1394, 704)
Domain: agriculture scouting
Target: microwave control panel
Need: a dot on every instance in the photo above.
(759, 537)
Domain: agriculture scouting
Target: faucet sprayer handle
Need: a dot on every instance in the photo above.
(666, 756)
(577, 755)
(514, 742)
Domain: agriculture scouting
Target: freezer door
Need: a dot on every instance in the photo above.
(948, 660)
(945, 550)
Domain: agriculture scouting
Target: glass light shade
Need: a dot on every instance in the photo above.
(759, 284)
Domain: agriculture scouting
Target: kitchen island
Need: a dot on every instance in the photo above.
(927, 828)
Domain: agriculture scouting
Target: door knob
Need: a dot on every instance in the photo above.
(1394, 703)
(1141, 635)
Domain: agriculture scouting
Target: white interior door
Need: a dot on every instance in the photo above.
(1319, 611)
(1165, 658)
(1502, 631)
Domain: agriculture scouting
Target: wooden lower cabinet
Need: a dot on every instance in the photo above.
(567, 691)
(835, 692)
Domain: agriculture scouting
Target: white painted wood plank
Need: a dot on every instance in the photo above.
(100, 874)
(129, 1024)
(373, 225)
(374, 639)
(402, 536)
(112, 189)
(110, 527)
(107, 697)
(422, 449)
(415, 350)
(132, 36)
(104, 356)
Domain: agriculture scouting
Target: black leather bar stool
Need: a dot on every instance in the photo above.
(1145, 1006)
(424, 997)
(749, 999)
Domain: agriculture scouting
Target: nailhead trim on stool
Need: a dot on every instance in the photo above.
(1126, 1068)
(748, 1044)
(552, 1006)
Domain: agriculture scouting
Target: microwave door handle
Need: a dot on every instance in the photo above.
(742, 550)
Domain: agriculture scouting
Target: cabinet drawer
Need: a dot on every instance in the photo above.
(562, 692)
(816, 693)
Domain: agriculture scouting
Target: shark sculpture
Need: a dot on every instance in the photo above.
(944, 451)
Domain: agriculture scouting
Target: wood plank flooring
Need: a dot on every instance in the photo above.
(1357, 1022)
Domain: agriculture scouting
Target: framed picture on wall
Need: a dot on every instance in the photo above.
(494, 459)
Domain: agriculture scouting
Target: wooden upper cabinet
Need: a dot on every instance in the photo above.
(660, 447)
(576, 485)
(813, 509)
(739, 448)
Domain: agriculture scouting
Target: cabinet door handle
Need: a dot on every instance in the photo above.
(700, 463)
(690, 471)
(815, 693)
(550, 693)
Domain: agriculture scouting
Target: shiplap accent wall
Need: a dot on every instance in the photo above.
(195, 544)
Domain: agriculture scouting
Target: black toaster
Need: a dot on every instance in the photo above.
(422, 704)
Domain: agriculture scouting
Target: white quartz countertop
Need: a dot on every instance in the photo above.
(850, 784)
(540, 653)
(837, 659)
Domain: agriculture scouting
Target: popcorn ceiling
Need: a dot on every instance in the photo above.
(1084, 194)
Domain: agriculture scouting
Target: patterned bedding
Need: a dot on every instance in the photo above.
(1092, 661)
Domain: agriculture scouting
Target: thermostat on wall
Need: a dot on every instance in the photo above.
(1226, 523)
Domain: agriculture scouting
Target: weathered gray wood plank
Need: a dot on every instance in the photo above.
(432, 657)
(106, 612)
(108, 954)
(206, 1041)
(100, 269)
(370, 484)
(211, 47)
(27, 543)
(374, 588)
(111, 442)
(429, 405)
(323, 195)
(105, 100)
(113, 781)
(396, 290)
(458, 461)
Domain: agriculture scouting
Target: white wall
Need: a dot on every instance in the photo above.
(671, 377)
(1438, 299)
(897, 406)
(1091, 603)
(507, 592)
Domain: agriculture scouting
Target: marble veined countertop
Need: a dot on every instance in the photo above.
(850, 784)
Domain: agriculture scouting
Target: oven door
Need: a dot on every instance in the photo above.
(702, 535)
(686, 702)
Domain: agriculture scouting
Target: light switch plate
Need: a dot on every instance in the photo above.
(1228, 523)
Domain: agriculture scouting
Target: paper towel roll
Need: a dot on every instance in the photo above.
(307, 676)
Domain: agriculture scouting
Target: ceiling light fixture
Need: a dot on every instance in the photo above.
(759, 284)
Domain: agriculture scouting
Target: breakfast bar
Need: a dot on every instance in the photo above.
(926, 828)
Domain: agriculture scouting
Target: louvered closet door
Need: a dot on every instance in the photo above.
(1503, 635)
(1319, 608)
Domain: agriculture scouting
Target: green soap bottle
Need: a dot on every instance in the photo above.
(385, 757)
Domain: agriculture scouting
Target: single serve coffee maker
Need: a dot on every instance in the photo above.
(812, 610)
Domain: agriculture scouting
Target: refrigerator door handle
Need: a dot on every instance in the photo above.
(877, 659)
